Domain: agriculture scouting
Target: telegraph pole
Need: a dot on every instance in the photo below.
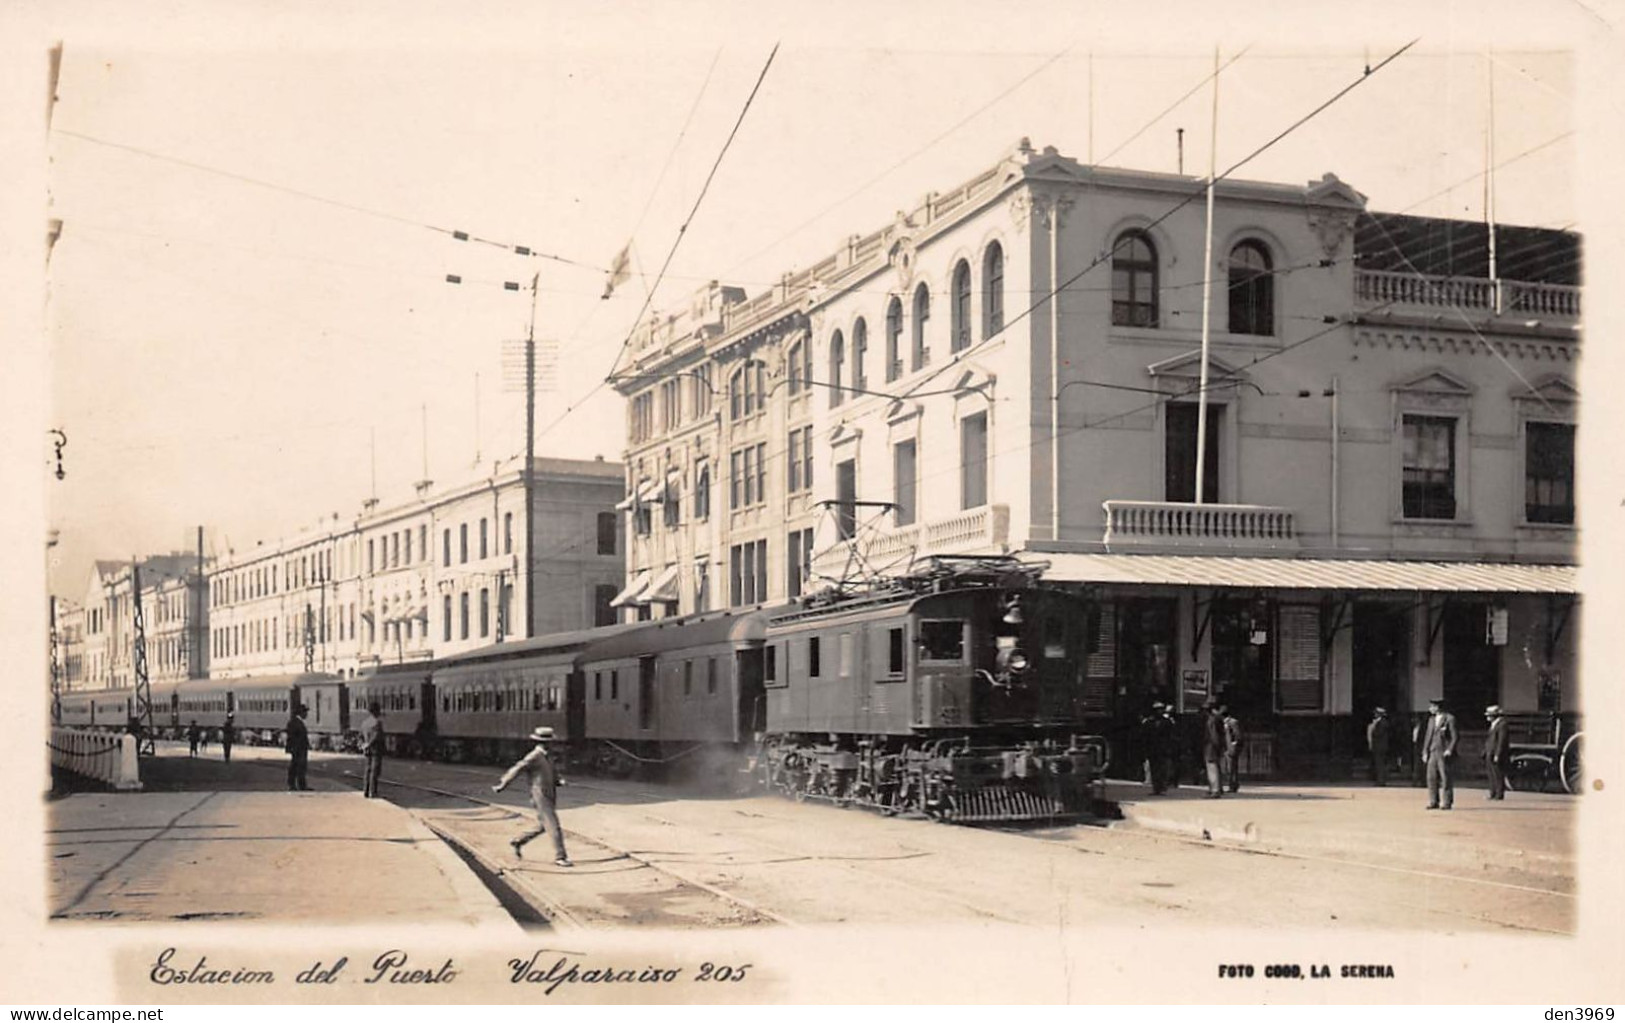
(143, 691)
(530, 461)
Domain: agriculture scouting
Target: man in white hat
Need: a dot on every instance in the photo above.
(544, 788)
(1495, 751)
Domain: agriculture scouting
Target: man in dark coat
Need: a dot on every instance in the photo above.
(1213, 746)
(1158, 734)
(1232, 750)
(1439, 749)
(1376, 739)
(544, 782)
(298, 747)
(228, 735)
(194, 735)
(372, 746)
(1495, 752)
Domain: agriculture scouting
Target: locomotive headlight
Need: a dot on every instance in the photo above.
(1012, 660)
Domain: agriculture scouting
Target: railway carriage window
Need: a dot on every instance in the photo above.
(688, 678)
(711, 675)
(894, 658)
(770, 665)
(813, 667)
(846, 654)
(942, 640)
(614, 685)
(597, 685)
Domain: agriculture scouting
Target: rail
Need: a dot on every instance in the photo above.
(1382, 286)
(99, 755)
(1180, 523)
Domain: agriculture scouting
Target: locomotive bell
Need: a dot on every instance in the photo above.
(1012, 612)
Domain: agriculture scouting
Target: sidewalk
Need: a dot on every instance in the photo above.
(188, 849)
(1528, 837)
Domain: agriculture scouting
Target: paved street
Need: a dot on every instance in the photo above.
(1322, 857)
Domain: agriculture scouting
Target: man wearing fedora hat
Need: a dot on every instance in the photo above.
(298, 747)
(1376, 740)
(544, 780)
(1495, 751)
(1438, 749)
(1213, 746)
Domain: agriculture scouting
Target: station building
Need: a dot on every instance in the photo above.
(1014, 366)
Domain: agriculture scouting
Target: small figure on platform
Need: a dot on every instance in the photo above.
(544, 781)
(1376, 740)
(298, 747)
(194, 735)
(1157, 731)
(1439, 749)
(1212, 747)
(228, 735)
(1495, 752)
(1232, 749)
(372, 746)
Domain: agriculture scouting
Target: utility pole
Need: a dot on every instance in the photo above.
(143, 691)
(1207, 287)
(530, 461)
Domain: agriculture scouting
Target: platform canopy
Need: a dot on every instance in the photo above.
(1306, 573)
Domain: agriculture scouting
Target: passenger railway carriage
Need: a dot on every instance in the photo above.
(956, 692)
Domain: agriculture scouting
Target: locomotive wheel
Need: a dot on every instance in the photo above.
(1573, 765)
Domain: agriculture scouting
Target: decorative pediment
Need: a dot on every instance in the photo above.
(1050, 165)
(903, 409)
(1435, 381)
(1331, 190)
(1189, 365)
(844, 433)
(1549, 390)
(973, 377)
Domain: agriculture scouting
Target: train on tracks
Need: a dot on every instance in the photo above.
(955, 692)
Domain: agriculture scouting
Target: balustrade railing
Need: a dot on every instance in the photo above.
(1476, 293)
(1183, 524)
(981, 530)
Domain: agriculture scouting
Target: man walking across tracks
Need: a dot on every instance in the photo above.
(372, 745)
(1376, 739)
(228, 735)
(1495, 752)
(194, 735)
(298, 747)
(544, 784)
(1439, 749)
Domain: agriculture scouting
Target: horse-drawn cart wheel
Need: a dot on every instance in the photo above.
(1573, 765)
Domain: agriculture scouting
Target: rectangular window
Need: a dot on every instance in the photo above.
(615, 685)
(370, 563)
(942, 640)
(761, 572)
(813, 666)
(1429, 473)
(806, 458)
(407, 555)
(445, 552)
(761, 472)
(793, 461)
(446, 611)
(1179, 448)
(973, 460)
(688, 678)
(798, 563)
(711, 675)
(1298, 654)
(846, 498)
(485, 548)
(736, 587)
(702, 490)
(464, 609)
(735, 480)
(894, 647)
(462, 549)
(1549, 472)
(905, 463)
(606, 532)
(485, 613)
(423, 542)
(702, 587)
(597, 685)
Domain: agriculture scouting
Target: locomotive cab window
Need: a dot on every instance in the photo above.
(894, 655)
(770, 667)
(942, 640)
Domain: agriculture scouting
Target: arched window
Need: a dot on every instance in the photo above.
(1134, 281)
(894, 340)
(992, 290)
(860, 349)
(793, 381)
(959, 339)
(922, 313)
(837, 366)
(1252, 290)
(736, 394)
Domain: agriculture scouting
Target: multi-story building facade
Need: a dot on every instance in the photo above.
(436, 575)
(1385, 507)
(68, 644)
(173, 615)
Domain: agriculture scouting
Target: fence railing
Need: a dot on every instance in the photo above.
(103, 756)
(1477, 293)
(1180, 523)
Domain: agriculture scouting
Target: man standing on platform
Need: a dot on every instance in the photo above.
(1376, 739)
(372, 745)
(1212, 747)
(1232, 750)
(1495, 752)
(298, 747)
(228, 735)
(1439, 749)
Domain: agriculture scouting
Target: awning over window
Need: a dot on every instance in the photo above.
(1307, 573)
(664, 588)
(646, 492)
(631, 593)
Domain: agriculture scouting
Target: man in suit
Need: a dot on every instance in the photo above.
(544, 782)
(372, 746)
(1376, 739)
(1438, 750)
(1232, 750)
(1212, 747)
(1495, 752)
(298, 747)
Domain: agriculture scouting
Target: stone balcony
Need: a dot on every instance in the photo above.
(1178, 524)
(984, 530)
(1476, 295)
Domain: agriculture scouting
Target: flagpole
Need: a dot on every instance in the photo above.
(1207, 288)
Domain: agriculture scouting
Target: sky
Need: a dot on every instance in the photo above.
(248, 325)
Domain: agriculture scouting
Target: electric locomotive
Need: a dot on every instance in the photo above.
(957, 693)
